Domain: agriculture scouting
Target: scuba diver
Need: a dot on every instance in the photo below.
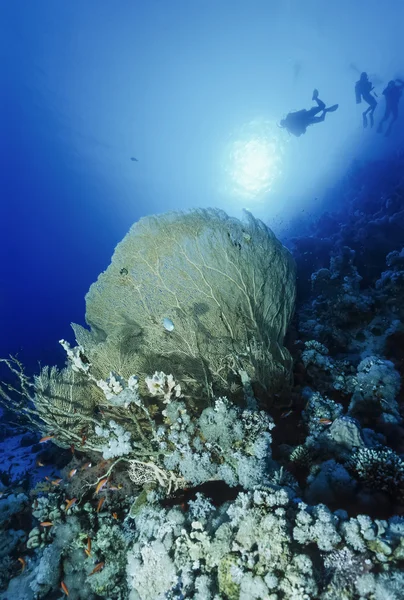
(363, 87)
(392, 94)
(297, 122)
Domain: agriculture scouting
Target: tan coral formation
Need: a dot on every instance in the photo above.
(227, 287)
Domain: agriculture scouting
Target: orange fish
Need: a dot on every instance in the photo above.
(63, 587)
(70, 503)
(88, 549)
(115, 515)
(46, 438)
(101, 485)
(83, 440)
(23, 563)
(325, 421)
(86, 466)
(46, 524)
(100, 503)
(72, 473)
(72, 448)
(56, 481)
(97, 568)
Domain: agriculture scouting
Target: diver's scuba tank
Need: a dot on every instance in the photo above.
(358, 94)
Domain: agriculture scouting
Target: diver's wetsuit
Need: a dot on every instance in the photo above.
(392, 94)
(363, 90)
(297, 122)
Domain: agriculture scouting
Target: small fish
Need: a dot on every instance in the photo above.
(56, 481)
(47, 478)
(100, 503)
(39, 463)
(72, 473)
(286, 414)
(23, 563)
(70, 503)
(113, 488)
(115, 515)
(46, 438)
(88, 549)
(63, 587)
(72, 448)
(168, 324)
(97, 568)
(83, 439)
(325, 421)
(133, 159)
(101, 485)
(86, 466)
(46, 524)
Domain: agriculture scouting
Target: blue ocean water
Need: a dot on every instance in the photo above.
(116, 111)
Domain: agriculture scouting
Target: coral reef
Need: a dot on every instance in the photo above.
(190, 466)
(265, 544)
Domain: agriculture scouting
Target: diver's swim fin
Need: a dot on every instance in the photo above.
(365, 121)
(315, 95)
(332, 108)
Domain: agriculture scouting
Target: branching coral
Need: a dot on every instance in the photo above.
(171, 449)
(379, 469)
(266, 544)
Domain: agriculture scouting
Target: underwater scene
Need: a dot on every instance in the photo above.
(202, 300)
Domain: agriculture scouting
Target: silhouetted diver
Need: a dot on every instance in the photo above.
(392, 93)
(297, 122)
(363, 89)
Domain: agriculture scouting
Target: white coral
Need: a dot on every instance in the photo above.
(117, 441)
(164, 385)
